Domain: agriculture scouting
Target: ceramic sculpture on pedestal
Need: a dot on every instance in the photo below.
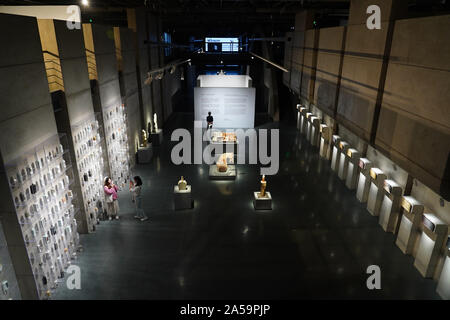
(262, 192)
(144, 138)
(182, 184)
(155, 123)
(221, 163)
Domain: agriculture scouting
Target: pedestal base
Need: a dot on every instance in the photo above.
(182, 198)
(144, 154)
(215, 174)
(157, 137)
(264, 203)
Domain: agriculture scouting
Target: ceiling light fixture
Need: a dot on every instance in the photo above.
(85, 2)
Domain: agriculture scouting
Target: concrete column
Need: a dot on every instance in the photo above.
(108, 97)
(129, 86)
(25, 121)
(137, 21)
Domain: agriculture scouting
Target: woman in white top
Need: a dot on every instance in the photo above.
(135, 189)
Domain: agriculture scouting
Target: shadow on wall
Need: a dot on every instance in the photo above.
(352, 106)
(326, 96)
(420, 147)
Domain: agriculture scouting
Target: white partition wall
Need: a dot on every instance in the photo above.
(224, 81)
(231, 108)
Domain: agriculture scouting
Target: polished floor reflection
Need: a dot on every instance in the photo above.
(317, 242)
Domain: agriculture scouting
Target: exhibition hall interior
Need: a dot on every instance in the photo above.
(225, 149)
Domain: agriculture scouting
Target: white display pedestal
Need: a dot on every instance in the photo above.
(362, 191)
(264, 203)
(410, 224)
(443, 288)
(431, 241)
(182, 198)
(325, 139)
(352, 168)
(144, 154)
(390, 206)
(335, 155)
(303, 122)
(215, 174)
(375, 191)
(308, 126)
(157, 137)
(299, 117)
(315, 131)
(343, 161)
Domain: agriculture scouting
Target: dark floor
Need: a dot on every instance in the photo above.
(317, 242)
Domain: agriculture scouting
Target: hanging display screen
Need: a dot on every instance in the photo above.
(222, 44)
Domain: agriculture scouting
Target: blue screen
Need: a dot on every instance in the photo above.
(222, 44)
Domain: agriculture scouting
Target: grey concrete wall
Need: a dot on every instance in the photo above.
(288, 58)
(8, 273)
(393, 93)
(130, 89)
(26, 120)
(361, 75)
(309, 64)
(414, 124)
(78, 98)
(328, 72)
(297, 60)
(154, 56)
(137, 21)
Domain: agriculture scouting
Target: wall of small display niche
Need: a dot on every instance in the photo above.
(115, 123)
(40, 183)
(89, 159)
(9, 289)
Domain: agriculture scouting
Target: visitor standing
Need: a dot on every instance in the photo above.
(112, 201)
(136, 189)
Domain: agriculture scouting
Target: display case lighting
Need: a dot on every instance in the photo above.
(428, 223)
(374, 172)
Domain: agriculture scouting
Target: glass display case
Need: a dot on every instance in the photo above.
(40, 183)
(116, 135)
(89, 158)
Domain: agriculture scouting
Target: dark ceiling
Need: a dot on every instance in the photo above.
(226, 17)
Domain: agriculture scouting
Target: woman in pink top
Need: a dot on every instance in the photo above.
(111, 199)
